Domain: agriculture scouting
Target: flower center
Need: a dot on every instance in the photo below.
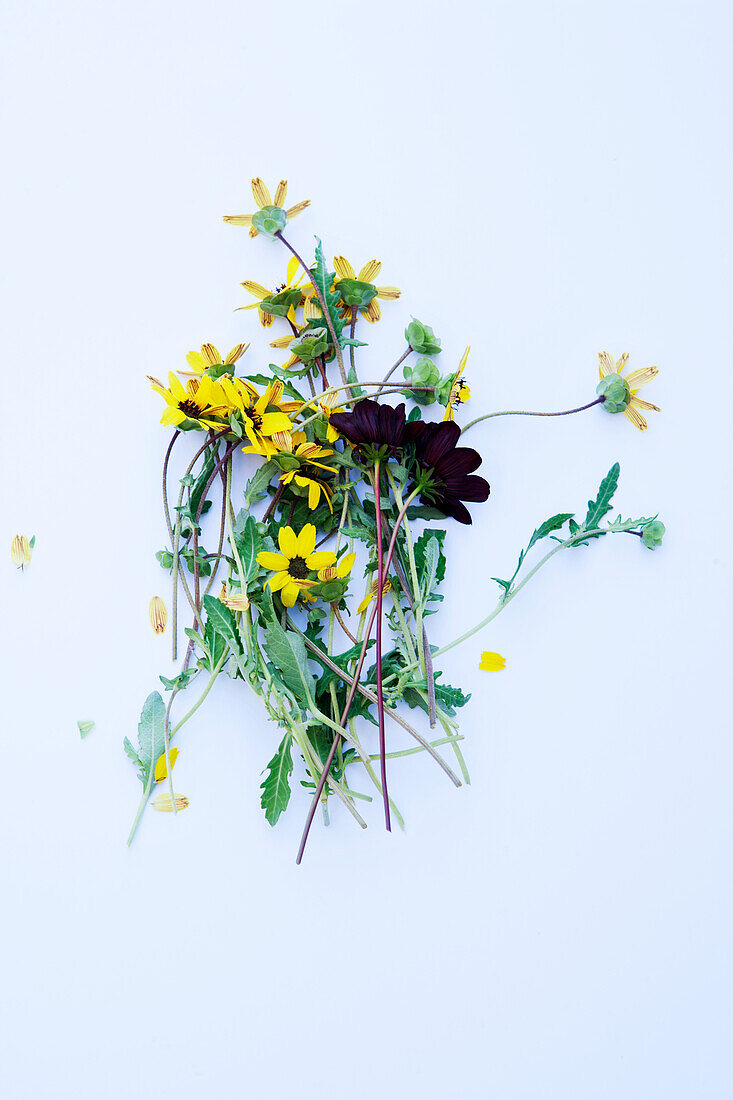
(255, 418)
(297, 568)
(190, 408)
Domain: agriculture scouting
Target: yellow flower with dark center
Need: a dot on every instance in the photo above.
(371, 594)
(262, 415)
(305, 474)
(297, 559)
(635, 380)
(210, 356)
(280, 294)
(200, 399)
(264, 200)
(460, 391)
(371, 311)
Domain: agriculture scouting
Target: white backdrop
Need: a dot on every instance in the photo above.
(543, 180)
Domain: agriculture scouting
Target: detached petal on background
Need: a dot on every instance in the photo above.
(492, 662)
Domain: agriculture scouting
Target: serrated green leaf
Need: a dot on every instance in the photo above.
(256, 488)
(276, 785)
(223, 621)
(150, 738)
(287, 652)
(249, 544)
(598, 508)
(127, 745)
(550, 525)
(323, 279)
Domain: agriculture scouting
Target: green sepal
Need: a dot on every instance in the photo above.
(269, 220)
(355, 293)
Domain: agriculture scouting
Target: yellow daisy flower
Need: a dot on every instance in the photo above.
(291, 284)
(634, 381)
(369, 272)
(460, 390)
(371, 594)
(296, 444)
(210, 356)
(199, 400)
(262, 415)
(298, 557)
(264, 200)
(328, 404)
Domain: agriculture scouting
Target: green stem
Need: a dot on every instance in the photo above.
(524, 412)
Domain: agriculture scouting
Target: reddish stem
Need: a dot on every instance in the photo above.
(380, 698)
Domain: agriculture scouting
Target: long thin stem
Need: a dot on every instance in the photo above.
(391, 370)
(524, 412)
(380, 596)
(323, 305)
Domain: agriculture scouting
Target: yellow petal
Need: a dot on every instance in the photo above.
(492, 662)
(388, 293)
(270, 559)
(343, 268)
(238, 219)
(279, 581)
(266, 319)
(236, 353)
(197, 361)
(275, 422)
(306, 543)
(636, 418)
(211, 354)
(370, 271)
(289, 594)
(288, 542)
(292, 269)
(319, 559)
(297, 209)
(314, 495)
(622, 361)
(282, 341)
(163, 802)
(261, 194)
(346, 565)
(606, 364)
(372, 311)
(281, 192)
(640, 403)
(643, 377)
(172, 416)
(160, 769)
(311, 310)
(364, 603)
(257, 290)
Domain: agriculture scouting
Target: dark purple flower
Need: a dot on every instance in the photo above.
(451, 468)
(377, 429)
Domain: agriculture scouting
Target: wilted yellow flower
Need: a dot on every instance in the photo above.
(492, 662)
(635, 380)
(386, 587)
(337, 572)
(158, 615)
(263, 199)
(210, 356)
(235, 601)
(161, 772)
(369, 272)
(20, 551)
(163, 803)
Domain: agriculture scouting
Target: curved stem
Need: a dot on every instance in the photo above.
(523, 412)
(324, 307)
(391, 371)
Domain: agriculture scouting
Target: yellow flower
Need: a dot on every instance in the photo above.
(298, 557)
(163, 802)
(20, 551)
(262, 415)
(634, 381)
(160, 772)
(262, 198)
(158, 615)
(337, 572)
(386, 587)
(210, 356)
(291, 283)
(328, 404)
(200, 399)
(460, 392)
(368, 274)
(304, 475)
(492, 662)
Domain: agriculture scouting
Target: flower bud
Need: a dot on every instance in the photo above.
(421, 338)
(158, 615)
(653, 534)
(422, 373)
(269, 220)
(616, 391)
(163, 803)
(20, 551)
(355, 293)
(310, 344)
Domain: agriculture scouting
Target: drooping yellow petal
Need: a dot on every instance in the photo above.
(319, 559)
(311, 310)
(211, 354)
(343, 268)
(266, 319)
(642, 377)
(275, 422)
(364, 603)
(306, 542)
(160, 768)
(235, 354)
(388, 293)
(281, 192)
(291, 270)
(257, 290)
(372, 311)
(297, 209)
(172, 416)
(346, 565)
(289, 594)
(492, 662)
(606, 364)
(640, 403)
(279, 580)
(288, 542)
(238, 219)
(270, 559)
(196, 360)
(370, 271)
(163, 802)
(282, 341)
(636, 418)
(622, 361)
(314, 495)
(261, 193)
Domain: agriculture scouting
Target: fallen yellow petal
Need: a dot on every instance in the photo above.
(163, 802)
(160, 769)
(158, 615)
(20, 551)
(492, 662)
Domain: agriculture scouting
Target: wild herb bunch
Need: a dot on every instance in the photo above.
(329, 554)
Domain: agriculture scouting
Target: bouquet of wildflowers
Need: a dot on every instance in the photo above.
(314, 578)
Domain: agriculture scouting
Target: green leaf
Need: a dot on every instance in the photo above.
(249, 544)
(550, 525)
(287, 652)
(323, 279)
(32, 541)
(197, 489)
(181, 681)
(223, 621)
(421, 554)
(598, 508)
(150, 738)
(85, 727)
(127, 745)
(256, 488)
(276, 785)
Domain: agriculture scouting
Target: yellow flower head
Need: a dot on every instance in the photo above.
(262, 414)
(371, 594)
(353, 297)
(635, 380)
(199, 400)
(460, 391)
(210, 356)
(284, 299)
(266, 203)
(328, 404)
(305, 474)
(297, 559)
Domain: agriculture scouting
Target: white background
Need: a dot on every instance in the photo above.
(543, 180)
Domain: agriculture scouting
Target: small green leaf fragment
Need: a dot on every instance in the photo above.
(85, 727)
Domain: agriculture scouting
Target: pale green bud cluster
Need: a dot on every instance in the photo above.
(653, 534)
(421, 338)
(422, 373)
(616, 391)
(269, 220)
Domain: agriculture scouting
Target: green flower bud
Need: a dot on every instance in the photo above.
(354, 293)
(269, 220)
(421, 338)
(311, 344)
(330, 591)
(616, 391)
(422, 373)
(279, 305)
(653, 534)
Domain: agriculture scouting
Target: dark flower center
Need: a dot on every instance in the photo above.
(190, 408)
(255, 418)
(297, 568)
